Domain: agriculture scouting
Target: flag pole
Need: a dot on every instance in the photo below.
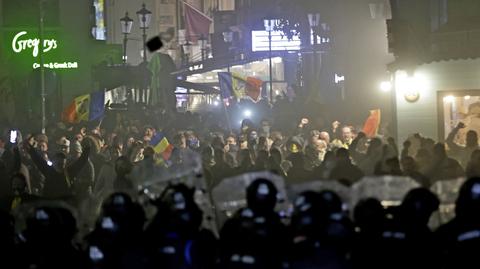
(227, 116)
(42, 67)
(196, 9)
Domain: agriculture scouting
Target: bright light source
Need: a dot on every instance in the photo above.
(247, 113)
(386, 86)
(277, 92)
(467, 97)
(339, 78)
(411, 87)
(216, 103)
(449, 99)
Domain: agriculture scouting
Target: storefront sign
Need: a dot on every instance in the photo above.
(260, 42)
(65, 65)
(21, 44)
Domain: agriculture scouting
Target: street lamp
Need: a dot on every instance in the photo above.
(203, 48)
(269, 27)
(144, 17)
(186, 51)
(314, 22)
(228, 38)
(42, 67)
(126, 23)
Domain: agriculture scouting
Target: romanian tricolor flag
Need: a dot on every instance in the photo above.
(235, 85)
(87, 107)
(161, 146)
(372, 124)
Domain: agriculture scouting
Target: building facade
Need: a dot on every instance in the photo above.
(436, 69)
(73, 44)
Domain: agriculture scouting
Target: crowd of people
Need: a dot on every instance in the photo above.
(48, 182)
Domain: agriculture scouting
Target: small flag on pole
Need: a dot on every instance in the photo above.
(88, 107)
(235, 85)
(161, 146)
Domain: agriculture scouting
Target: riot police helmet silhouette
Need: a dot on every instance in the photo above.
(262, 196)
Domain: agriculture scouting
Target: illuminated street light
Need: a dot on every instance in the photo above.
(269, 27)
(386, 86)
(411, 86)
(126, 23)
(144, 17)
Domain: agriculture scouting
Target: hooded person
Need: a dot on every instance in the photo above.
(345, 171)
(297, 173)
(123, 181)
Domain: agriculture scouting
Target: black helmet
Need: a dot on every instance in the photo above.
(468, 201)
(7, 229)
(120, 212)
(305, 219)
(178, 207)
(50, 225)
(369, 214)
(117, 204)
(329, 203)
(419, 204)
(262, 196)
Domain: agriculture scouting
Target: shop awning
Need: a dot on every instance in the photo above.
(206, 88)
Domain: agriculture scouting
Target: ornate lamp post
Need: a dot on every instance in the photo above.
(228, 38)
(144, 17)
(269, 27)
(126, 23)
(314, 22)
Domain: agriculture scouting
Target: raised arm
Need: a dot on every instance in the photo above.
(393, 145)
(406, 147)
(353, 147)
(451, 144)
(39, 162)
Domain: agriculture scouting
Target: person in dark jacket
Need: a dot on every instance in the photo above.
(344, 171)
(58, 176)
